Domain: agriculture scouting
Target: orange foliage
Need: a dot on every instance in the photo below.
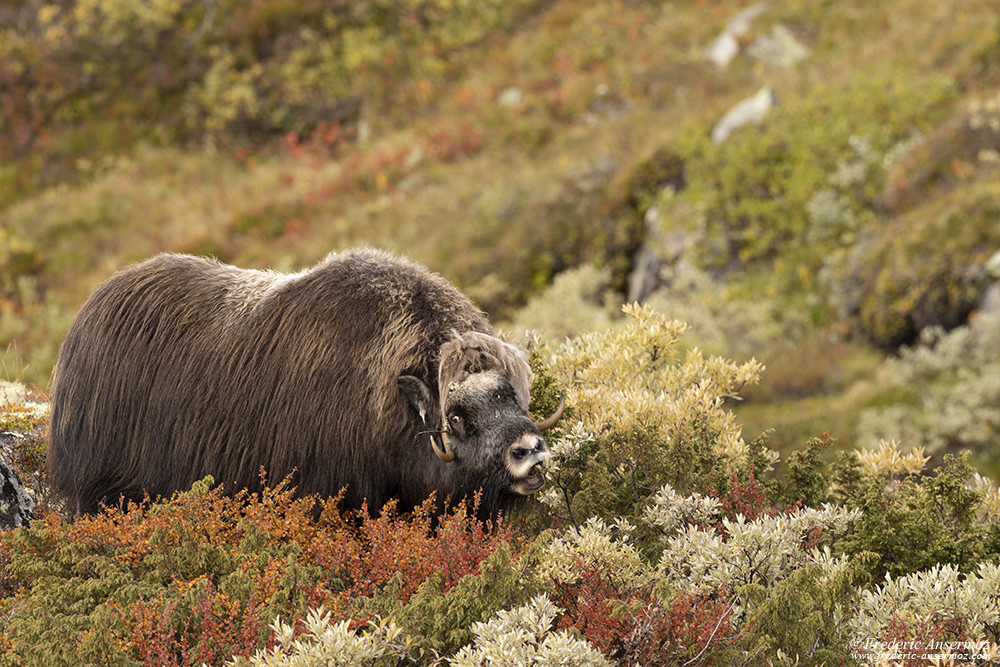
(212, 571)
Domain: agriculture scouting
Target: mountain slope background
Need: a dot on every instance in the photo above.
(554, 159)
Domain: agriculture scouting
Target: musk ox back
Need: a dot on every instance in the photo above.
(366, 372)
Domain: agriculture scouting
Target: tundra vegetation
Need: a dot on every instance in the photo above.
(534, 152)
(665, 538)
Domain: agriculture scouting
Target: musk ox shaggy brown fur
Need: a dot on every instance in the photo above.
(366, 371)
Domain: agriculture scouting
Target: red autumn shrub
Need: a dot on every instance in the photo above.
(364, 557)
(915, 643)
(634, 626)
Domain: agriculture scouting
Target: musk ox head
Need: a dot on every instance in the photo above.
(478, 422)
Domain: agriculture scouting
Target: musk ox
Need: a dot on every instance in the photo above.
(366, 371)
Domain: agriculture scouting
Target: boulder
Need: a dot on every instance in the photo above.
(751, 110)
(16, 505)
(727, 45)
(778, 49)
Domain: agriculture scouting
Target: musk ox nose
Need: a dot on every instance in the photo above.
(524, 460)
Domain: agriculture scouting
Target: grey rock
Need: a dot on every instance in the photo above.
(990, 303)
(16, 504)
(778, 49)
(992, 266)
(510, 97)
(727, 45)
(751, 110)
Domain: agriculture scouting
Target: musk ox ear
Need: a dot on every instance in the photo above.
(475, 352)
(418, 394)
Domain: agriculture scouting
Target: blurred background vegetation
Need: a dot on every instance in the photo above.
(555, 159)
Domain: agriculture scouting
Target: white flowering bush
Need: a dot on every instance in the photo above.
(522, 636)
(942, 394)
(921, 600)
(740, 552)
(330, 644)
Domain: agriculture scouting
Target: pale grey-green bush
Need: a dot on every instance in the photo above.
(763, 551)
(522, 636)
(578, 300)
(331, 644)
(942, 394)
(940, 592)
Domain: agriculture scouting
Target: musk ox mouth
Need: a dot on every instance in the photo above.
(534, 481)
(530, 484)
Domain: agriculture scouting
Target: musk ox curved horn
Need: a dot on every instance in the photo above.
(447, 454)
(551, 421)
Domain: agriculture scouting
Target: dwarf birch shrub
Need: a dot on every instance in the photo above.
(439, 618)
(643, 418)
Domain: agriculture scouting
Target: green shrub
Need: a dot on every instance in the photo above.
(753, 191)
(815, 596)
(914, 522)
(439, 619)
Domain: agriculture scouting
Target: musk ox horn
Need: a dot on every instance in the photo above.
(446, 454)
(551, 421)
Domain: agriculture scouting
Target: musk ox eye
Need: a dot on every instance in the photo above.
(457, 424)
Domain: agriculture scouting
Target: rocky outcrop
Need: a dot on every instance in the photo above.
(16, 504)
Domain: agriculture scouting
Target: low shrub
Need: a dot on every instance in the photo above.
(696, 551)
(522, 636)
(199, 577)
(643, 418)
(914, 521)
(940, 394)
(754, 193)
